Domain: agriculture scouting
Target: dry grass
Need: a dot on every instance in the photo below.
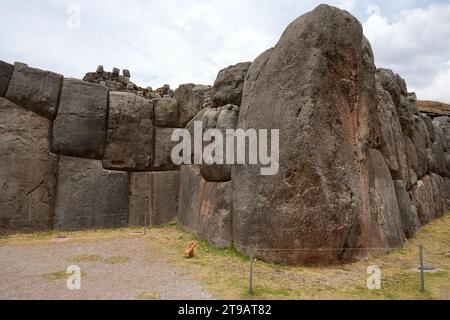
(224, 272)
(433, 106)
(117, 260)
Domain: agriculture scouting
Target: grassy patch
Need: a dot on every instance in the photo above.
(85, 258)
(79, 236)
(59, 275)
(116, 260)
(149, 296)
(225, 272)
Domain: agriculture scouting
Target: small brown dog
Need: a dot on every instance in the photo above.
(190, 250)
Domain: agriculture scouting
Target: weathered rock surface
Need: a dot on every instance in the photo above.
(408, 212)
(215, 219)
(422, 197)
(35, 90)
(166, 113)
(163, 150)
(165, 197)
(392, 144)
(222, 118)
(140, 198)
(413, 162)
(386, 230)
(6, 71)
(189, 197)
(325, 77)
(229, 85)
(153, 195)
(89, 197)
(190, 99)
(130, 133)
(421, 140)
(79, 129)
(27, 170)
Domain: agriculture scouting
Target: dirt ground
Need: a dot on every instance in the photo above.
(120, 264)
(119, 268)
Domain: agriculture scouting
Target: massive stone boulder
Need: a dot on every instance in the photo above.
(35, 90)
(153, 195)
(318, 87)
(422, 197)
(191, 100)
(229, 85)
(79, 129)
(421, 140)
(6, 71)
(165, 197)
(408, 212)
(27, 170)
(385, 229)
(89, 197)
(222, 118)
(163, 150)
(189, 197)
(215, 216)
(130, 133)
(140, 198)
(166, 113)
(392, 142)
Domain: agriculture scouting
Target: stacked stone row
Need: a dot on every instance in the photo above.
(76, 155)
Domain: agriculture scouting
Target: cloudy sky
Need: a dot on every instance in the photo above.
(181, 41)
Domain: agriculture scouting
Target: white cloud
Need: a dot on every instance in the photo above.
(180, 41)
(415, 45)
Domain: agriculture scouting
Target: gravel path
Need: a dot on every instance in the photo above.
(25, 272)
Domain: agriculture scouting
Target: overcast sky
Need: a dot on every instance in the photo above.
(182, 41)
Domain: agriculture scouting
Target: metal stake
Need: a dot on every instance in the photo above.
(145, 223)
(250, 284)
(422, 276)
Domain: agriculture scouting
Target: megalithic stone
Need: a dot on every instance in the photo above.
(79, 129)
(35, 90)
(130, 133)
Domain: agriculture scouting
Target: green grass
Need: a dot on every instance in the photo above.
(149, 296)
(59, 275)
(116, 260)
(85, 258)
(225, 272)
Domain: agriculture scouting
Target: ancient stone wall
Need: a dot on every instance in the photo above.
(360, 166)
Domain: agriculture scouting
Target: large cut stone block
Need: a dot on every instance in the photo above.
(166, 113)
(391, 137)
(79, 129)
(130, 131)
(385, 228)
(163, 150)
(408, 212)
(215, 219)
(422, 197)
(153, 195)
(190, 99)
(165, 197)
(6, 71)
(229, 85)
(27, 170)
(222, 118)
(317, 86)
(140, 198)
(35, 90)
(89, 197)
(189, 197)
